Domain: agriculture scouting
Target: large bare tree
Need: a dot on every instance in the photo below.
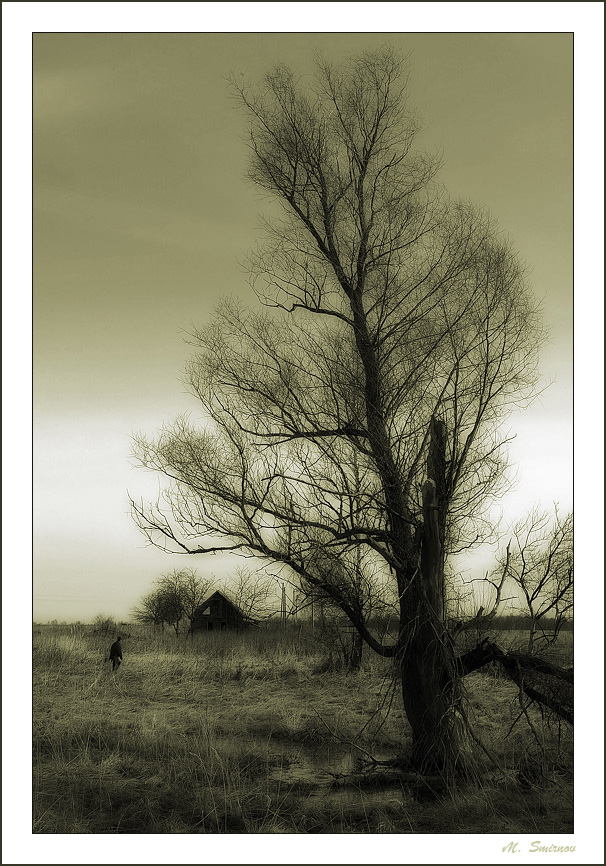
(354, 418)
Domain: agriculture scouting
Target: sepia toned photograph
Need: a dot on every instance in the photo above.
(303, 437)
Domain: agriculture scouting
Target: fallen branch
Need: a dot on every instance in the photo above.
(516, 665)
(372, 759)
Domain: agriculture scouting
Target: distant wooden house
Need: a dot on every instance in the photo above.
(218, 613)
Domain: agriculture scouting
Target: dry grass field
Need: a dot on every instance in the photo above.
(258, 733)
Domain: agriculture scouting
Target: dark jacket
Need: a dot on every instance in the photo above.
(115, 651)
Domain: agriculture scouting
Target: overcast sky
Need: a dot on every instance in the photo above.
(142, 215)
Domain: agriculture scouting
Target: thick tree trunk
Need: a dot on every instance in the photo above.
(432, 703)
(425, 655)
(430, 680)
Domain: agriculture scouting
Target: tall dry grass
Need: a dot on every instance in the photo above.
(229, 733)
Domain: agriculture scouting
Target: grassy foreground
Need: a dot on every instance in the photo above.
(251, 733)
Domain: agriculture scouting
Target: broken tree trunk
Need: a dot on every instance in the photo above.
(430, 680)
(542, 681)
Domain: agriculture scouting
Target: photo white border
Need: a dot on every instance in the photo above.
(19, 21)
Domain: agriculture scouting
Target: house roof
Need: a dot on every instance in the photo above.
(223, 595)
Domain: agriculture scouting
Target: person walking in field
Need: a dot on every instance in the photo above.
(115, 653)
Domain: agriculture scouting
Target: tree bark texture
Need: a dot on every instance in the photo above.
(430, 681)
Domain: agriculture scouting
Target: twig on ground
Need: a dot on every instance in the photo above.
(347, 742)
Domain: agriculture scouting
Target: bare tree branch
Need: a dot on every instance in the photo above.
(353, 434)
